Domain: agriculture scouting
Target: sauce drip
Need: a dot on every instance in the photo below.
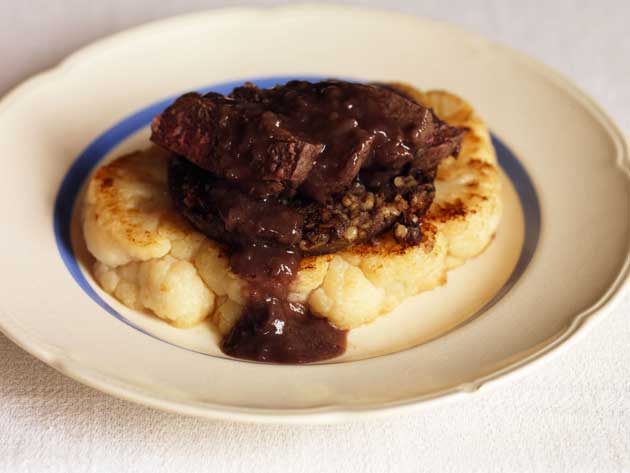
(272, 328)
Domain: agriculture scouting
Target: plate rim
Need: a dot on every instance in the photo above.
(334, 412)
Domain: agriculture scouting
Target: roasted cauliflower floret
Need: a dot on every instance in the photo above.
(144, 249)
(169, 287)
(467, 206)
(124, 206)
(346, 297)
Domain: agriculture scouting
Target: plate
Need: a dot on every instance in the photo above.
(560, 256)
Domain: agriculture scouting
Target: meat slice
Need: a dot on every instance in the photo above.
(223, 212)
(311, 137)
(446, 141)
(336, 169)
(238, 141)
(434, 138)
(363, 127)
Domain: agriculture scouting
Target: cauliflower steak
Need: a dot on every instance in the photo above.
(149, 257)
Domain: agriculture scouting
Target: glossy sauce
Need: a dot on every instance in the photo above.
(272, 328)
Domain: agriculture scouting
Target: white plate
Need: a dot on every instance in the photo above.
(560, 255)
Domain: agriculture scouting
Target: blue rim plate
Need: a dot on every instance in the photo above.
(574, 195)
(74, 180)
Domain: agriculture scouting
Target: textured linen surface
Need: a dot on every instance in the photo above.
(571, 413)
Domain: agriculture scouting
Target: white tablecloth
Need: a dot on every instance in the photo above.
(570, 414)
